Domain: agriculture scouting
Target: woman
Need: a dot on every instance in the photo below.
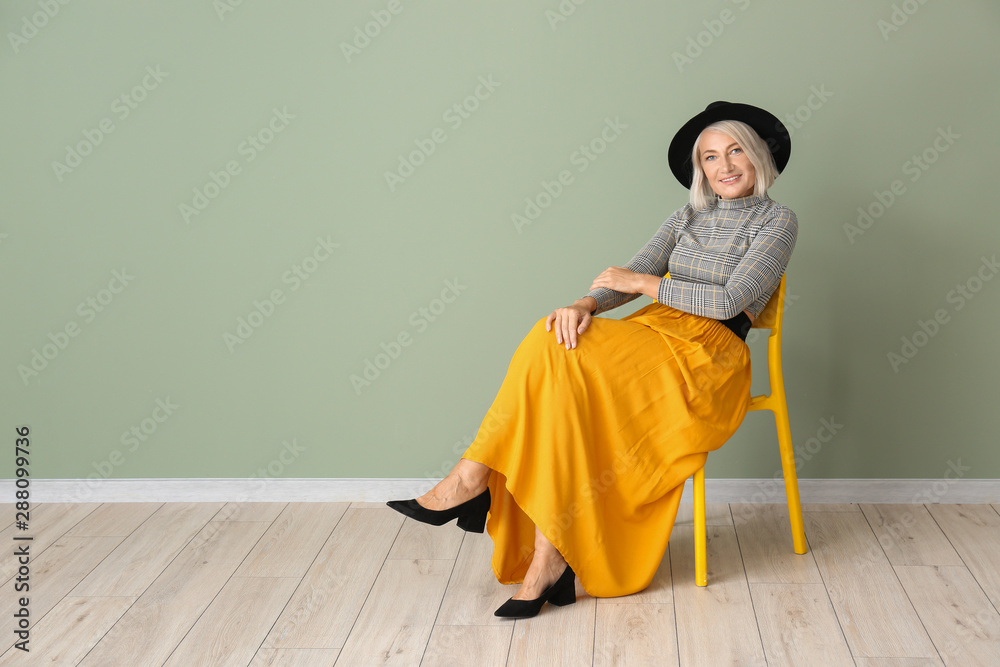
(581, 460)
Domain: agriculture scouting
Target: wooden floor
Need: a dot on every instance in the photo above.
(357, 584)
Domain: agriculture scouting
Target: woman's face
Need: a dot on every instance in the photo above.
(726, 165)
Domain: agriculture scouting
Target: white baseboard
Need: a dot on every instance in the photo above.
(939, 490)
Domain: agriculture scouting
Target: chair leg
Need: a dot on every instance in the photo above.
(700, 558)
(791, 479)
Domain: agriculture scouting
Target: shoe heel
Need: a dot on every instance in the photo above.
(565, 595)
(473, 523)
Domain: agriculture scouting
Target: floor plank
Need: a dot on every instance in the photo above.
(396, 620)
(421, 541)
(54, 574)
(235, 624)
(327, 601)
(766, 545)
(898, 662)
(724, 605)
(962, 623)
(556, 636)
(974, 531)
(474, 593)
(716, 514)
(154, 625)
(635, 634)
(114, 520)
(70, 630)
(143, 555)
(249, 511)
(47, 523)
(909, 535)
(293, 540)
(799, 626)
(831, 507)
(295, 657)
(463, 645)
(874, 612)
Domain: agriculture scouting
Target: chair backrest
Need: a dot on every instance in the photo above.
(771, 316)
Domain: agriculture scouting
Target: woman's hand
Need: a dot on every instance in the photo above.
(569, 323)
(629, 282)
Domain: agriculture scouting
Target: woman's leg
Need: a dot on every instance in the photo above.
(465, 481)
(547, 565)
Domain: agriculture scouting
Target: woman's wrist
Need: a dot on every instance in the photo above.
(588, 302)
(651, 286)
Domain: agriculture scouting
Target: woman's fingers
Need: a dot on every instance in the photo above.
(568, 337)
(568, 323)
(572, 322)
(578, 330)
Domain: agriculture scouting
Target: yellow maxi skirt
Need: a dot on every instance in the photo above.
(593, 444)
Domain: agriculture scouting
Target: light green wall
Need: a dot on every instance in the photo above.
(885, 96)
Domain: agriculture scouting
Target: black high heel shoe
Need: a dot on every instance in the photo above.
(561, 593)
(471, 514)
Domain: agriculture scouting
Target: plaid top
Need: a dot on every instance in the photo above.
(722, 260)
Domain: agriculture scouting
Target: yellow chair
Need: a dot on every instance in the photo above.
(770, 318)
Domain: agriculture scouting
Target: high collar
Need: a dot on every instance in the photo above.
(741, 202)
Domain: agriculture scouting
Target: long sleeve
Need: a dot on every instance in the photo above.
(756, 275)
(652, 258)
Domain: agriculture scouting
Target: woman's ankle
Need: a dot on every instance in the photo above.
(474, 475)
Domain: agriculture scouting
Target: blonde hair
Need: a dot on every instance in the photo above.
(702, 194)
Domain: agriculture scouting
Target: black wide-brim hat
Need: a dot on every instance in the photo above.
(770, 129)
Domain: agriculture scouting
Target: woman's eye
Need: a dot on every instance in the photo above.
(736, 150)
